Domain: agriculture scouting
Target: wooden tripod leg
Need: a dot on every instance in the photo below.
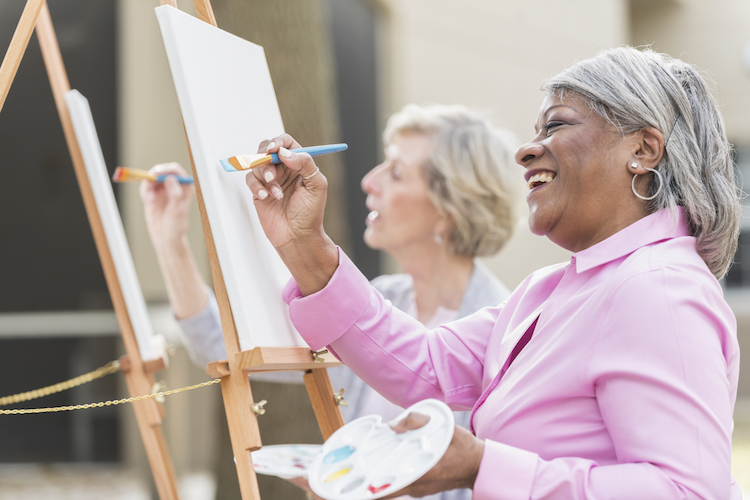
(243, 429)
(17, 46)
(324, 404)
(148, 417)
(138, 380)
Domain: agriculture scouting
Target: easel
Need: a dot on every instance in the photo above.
(240, 408)
(138, 374)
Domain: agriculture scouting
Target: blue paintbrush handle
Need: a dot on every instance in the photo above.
(314, 151)
(181, 179)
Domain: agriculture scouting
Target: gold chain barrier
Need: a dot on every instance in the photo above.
(110, 367)
(25, 411)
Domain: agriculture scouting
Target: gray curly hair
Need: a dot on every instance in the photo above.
(634, 89)
(468, 174)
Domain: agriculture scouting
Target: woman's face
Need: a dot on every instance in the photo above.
(576, 169)
(401, 214)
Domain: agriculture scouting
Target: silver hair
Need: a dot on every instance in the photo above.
(634, 89)
(468, 174)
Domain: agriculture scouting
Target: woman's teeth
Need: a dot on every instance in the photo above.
(541, 178)
(372, 215)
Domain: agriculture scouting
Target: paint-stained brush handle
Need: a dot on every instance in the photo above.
(180, 178)
(124, 174)
(313, 151)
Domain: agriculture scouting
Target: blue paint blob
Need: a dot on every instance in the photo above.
(227, 166)
(338, 454)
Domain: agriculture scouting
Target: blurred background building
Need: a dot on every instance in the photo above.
(340, 68)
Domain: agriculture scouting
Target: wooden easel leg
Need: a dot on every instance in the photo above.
(318, 385)
(243, 429)
(148, 417)
(204, 11)
(17, 46)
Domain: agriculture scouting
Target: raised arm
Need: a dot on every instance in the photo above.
(166, 209)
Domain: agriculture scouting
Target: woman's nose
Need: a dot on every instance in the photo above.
(369, 181)
(528, 152)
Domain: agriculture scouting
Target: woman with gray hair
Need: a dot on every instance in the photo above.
(611, 376)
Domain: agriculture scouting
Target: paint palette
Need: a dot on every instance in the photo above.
(366, 459)
(285, 460)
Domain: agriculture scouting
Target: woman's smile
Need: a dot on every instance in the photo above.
(536, 179)
(372, 217)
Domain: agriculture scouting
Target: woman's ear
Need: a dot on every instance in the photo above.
(650, 143)
(443, 227)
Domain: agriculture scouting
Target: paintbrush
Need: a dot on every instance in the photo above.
(124, 174)
(246, 162)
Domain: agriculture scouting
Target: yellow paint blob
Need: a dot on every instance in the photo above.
(337, 475)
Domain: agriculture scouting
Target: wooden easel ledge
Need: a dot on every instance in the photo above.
(269, 359)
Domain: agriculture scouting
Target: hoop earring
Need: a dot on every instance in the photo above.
(648, 198)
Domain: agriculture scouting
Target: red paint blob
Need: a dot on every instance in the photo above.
(378, 489)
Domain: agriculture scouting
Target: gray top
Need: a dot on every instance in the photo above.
(205, 343)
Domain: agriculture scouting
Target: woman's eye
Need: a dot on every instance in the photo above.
(548, 127)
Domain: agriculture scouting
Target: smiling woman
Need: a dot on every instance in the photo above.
(613, 375)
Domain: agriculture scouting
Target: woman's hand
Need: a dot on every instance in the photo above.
(290, 208)
(290, 199)
(166, 206)
(457, 468)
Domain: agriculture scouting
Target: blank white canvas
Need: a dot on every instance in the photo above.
(101, 185)
(229, 106)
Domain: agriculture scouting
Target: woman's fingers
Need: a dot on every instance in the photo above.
(262, 188)
(280, 141)
(256, 185)
(168, 168)
(269, 172)
(302, 163)
(410, 422)
(265, 181)
(173, 188)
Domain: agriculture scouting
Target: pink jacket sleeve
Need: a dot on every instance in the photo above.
(397, 356)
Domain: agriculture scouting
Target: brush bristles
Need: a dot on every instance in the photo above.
(265, 159)
(246, 162)
(233, 161)
(123, 174)
(120, 175)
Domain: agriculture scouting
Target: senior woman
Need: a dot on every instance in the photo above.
(611, 376)
(443, 197)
